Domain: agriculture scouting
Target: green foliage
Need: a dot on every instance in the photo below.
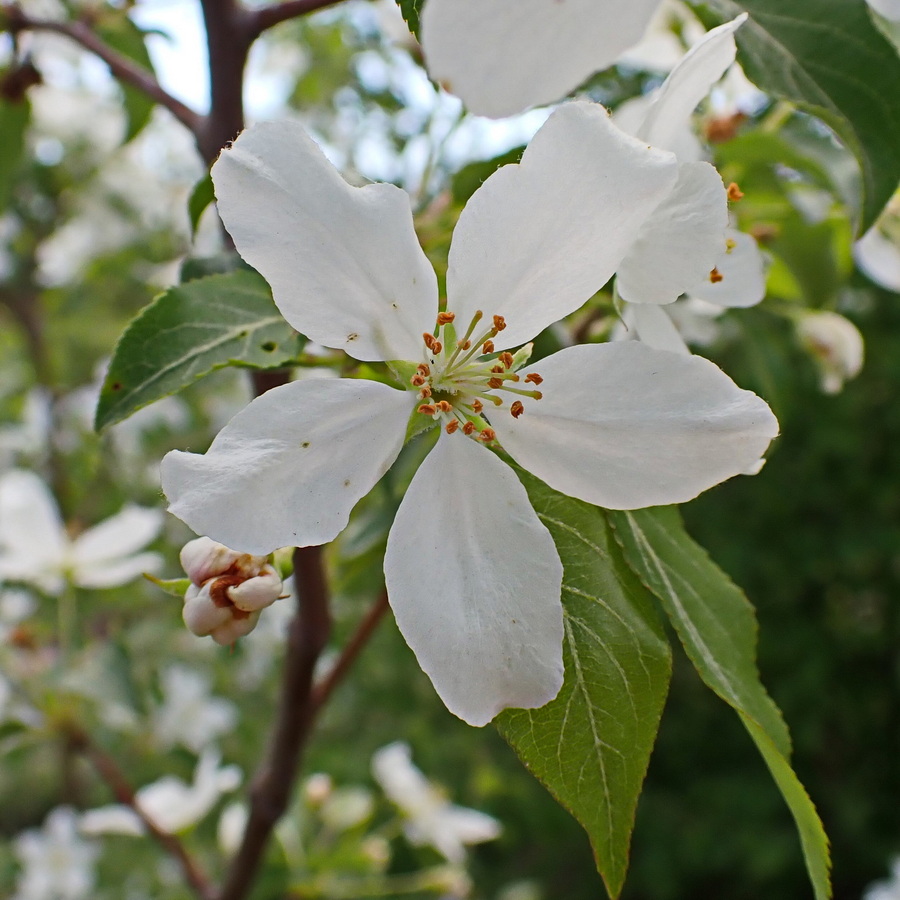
(591, 745)
(828, 57)
(13, 123)
(717, 627)
(188, 332)
(411, 10)
(201, 197)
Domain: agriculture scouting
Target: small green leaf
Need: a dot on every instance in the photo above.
(174, 587)
(717, 626)
(188, 332)
(201, 196)
(411, 10)
(591, 745)
(828, 57)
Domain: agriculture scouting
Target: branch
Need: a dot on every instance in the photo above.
(122, 68)
(323, 689)
(107, 768)
(271, 789)
(266, 16)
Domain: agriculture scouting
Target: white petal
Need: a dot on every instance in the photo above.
(625, 426)
(120, 535)
(288, 469)
(630, 115)
(743, 272)
(655, 328)
(117, 572)
(402, 782)
(256, 593)
(879, 257)
(503, 56)
(688, 83)
(474, 580)
(344, 263)
(469, 825)
(33, 541)
(680, 242)
(537, 239)
(200, 614)
(112, 819)
(234, 628)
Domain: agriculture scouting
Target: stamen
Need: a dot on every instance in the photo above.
(730, 244)
(534, 378)
(477, 405)
(417, 380)
(451, 426)
(498, 370)
(427, 409)
(734, 192)
(506, 359)
(444, 406)
(487, 435)
(499, 323)
(463, 345)
(468, 428)
(425, 393)
(437, 347)
(488, 347)
(429, 340)
(517, 409)
(715, 276)
(445, 318)
(423, 369)
(495, 383)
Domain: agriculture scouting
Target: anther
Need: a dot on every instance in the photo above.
(451, 426)
(715, 276)
(425, 393)
(488, 347)
(445, 318)
(423, 369)
(498, 370)
(534, 378)
(468, 428)
(463, 345)
(499, 323)
(506, 359)
(436, 347)
(487, 435)
(734, 192)
(495, 383)
(517, 409)
(444, 406)
(417, 380)
(730, 244)
(427, 409)
(429, 340)
(477, 405)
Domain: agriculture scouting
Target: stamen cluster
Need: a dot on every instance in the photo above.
(461, 375)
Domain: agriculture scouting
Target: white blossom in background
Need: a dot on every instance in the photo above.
(28, 439)
(473, 575)
(888, 889)
(686, 246)
(228, 590)
(189, 714)
(35, 547)
(890, 9)
(835, 344)
(429, 818)
(670, 31)
(169, 803)
(504, 56)
(877, 253)
(57, 863)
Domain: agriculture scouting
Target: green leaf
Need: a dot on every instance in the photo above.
(13, 124)
(828, 57)
(188, 332)
(591, 745)
(717, 626)
(411, 10)
(174, 587)
(201, 196)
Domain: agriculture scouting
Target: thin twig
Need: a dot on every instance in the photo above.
(322, 690)
(122, 68)
(271, 788)
(107, 768)
(266, 16)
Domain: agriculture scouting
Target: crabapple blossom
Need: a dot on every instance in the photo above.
(229, 589)
(429, 817)
(835, 344)
(35, 547)
(504, 56)
(472, 574)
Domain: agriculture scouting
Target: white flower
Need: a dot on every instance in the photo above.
(473, 575)
(879, 257)
(686, 246)
(662, 46)
(169, 803)
(35, 547)
(890, 9)
(503, 56)
(57, 863)
(889, 889)
(228, 592)
(430, 818)
(189, 715)
(835, 344)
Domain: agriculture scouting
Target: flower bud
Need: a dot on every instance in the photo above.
(835, 344)
(203, 559)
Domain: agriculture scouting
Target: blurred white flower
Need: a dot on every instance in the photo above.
(57, 864)
(169, 803)
(879, 258)
(36, 549)
(889, 889)
(189, 715)
(347, 807)
(672, 27)
(27, 439)
(429, 817)
(228, 591)
(835, 344)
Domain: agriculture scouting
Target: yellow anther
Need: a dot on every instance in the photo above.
(495, 383)
(498, 370)
(427, 409)
(734, 192)
(477, 405)
(417, 380)
(730, 244)
(533, 378)
(425, 393)
(423, 369)
(487, 435)
(488, 347)
(436, 347)
(463, 345)
(444, 406)
(429, 340)
(445, 318)
(451, 426)
(715, 276)
(468, 428)
(506, 359)
(499, 324)
(517, 409)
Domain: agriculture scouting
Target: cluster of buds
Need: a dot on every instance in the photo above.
(228, 590)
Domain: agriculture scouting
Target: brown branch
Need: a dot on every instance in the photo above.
(122, 68)
(275, 13)
(323, 689)
(107, 768)
(271, 788)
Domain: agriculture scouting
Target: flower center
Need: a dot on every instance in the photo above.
(460, 377)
